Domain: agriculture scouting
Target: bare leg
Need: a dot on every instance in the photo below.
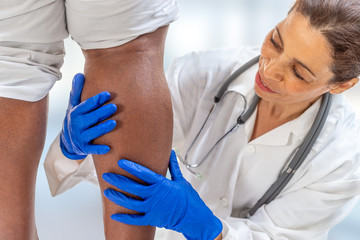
(22, 128)
(133, 74)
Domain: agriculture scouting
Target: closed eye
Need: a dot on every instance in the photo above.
(297, 74)
(275, 44)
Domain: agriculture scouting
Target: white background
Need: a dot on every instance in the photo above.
(204, 24)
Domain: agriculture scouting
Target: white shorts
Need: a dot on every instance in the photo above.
(32, 34)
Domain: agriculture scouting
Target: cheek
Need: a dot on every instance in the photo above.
(295, 87)
(303, 91)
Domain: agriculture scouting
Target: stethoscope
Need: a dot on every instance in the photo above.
(243, 117)
(299, 156)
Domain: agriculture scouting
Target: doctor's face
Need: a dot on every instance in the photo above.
(295, 63)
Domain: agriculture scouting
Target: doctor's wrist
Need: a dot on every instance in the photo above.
(219, 237)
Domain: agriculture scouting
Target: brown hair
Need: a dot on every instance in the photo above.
(339, 22)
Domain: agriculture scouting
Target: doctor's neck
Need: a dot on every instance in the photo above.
(283, 112)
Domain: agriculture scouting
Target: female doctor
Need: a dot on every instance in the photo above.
(313, 51)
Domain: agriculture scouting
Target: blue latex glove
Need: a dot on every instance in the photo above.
(82, 122)
(172, 204)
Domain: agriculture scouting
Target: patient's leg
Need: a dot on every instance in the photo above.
(22, 136)
(133, 74)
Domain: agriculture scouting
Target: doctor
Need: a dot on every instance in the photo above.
(314, 50)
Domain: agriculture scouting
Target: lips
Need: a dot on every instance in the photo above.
(262, 85)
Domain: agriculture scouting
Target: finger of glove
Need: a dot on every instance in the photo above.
(125, 201)
(140, 171)
(77, 86)
(96, 149)
(100, 114)
(93, 103)
(132, 219)
(98, 130)
(126, 184)
(174, 168)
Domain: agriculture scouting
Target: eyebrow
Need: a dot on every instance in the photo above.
(296, 60)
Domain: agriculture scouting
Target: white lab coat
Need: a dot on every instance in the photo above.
(237, 173)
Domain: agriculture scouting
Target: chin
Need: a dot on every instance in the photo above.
(270, 97)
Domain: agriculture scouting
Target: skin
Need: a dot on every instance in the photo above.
(134, 75)
(23, 129)
(219, 237)
(284, 54)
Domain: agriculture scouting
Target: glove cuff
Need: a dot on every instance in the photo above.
(69, 155)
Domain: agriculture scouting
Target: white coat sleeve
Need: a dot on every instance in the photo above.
(318, 197)
(63, 173)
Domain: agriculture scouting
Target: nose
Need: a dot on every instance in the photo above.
(273, 69)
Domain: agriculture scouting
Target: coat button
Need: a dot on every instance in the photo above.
(224, 202)
(251, 148)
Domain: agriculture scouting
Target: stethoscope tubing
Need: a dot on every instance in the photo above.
(231, 130)
(299, 156)
(241, 119)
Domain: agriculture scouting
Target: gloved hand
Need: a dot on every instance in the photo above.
(172, 204)
(81, 123)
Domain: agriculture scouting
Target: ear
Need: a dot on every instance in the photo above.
(344, 86)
